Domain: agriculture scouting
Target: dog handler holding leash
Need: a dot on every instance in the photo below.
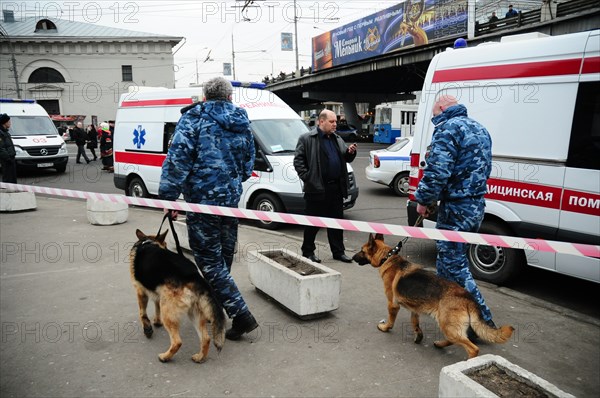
(458, 166)
(212, 153)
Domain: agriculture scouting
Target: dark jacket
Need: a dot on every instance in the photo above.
(79, 135)
(7, 148)
(92, 137)
(307, 162)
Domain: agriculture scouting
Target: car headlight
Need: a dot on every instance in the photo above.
(63, 149)
(20, 151)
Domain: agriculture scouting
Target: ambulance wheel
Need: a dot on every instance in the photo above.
(497, 265)
(267, 202)
(137, 189)
(400, 184)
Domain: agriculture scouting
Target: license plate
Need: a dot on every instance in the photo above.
(45, 164)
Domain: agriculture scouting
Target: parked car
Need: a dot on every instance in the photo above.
(391, 166)
(346, 131)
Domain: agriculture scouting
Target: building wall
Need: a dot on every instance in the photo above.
(92, 72)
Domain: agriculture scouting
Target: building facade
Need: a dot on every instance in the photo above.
(77, 68)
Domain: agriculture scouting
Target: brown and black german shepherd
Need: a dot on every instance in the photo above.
(176, 287)
(410, 286)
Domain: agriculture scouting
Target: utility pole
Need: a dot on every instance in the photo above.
(296, 40)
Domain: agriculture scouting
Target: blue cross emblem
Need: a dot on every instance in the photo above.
(138, 137)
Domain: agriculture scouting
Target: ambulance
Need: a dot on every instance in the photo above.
(539, 97)
(146, 121)
(37, 142)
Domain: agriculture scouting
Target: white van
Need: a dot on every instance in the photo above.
(539, 97)
(37, 142)
(146, 120)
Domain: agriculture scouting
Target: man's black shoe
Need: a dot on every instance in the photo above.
(343, 257)
(241, 324)
(313, 258)
(78, 162)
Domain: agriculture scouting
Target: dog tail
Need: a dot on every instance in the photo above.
(486, 332)
(218, 323)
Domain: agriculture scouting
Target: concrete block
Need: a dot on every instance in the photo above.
(305, 288)
(454, 381)
(182, 235)
(100, 212)
(16, 201)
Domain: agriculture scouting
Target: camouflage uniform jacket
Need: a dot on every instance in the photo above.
(459, 161)
(212, 153)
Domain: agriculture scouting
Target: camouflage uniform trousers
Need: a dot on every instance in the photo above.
(464, 215)
(212, 240)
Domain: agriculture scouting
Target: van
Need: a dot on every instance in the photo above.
(539, 97)
(37, 142)
(146, 120)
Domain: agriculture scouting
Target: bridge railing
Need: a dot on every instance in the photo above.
(523, 18)
(573, 6)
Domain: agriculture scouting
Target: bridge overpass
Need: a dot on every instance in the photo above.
(395, 76)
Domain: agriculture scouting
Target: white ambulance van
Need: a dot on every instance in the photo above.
(539, 97)
(37, 142)
(146, 120)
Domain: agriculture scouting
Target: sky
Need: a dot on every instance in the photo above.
(209, 27)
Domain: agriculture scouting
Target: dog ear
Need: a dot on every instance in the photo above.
(371, 238)
(379, 237)
(161, 238)
(140, 235)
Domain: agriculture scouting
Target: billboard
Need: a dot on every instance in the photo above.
(286, 42)
(407, 24)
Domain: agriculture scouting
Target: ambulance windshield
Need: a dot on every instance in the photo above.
(278, 135)
(31, 125)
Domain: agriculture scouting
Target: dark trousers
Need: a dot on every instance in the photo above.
(93, 151)
(212, 240)
(331, 205)
(9, 171)
(81, 152)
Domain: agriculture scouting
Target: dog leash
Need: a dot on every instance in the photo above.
(431, 209)
(175, 237)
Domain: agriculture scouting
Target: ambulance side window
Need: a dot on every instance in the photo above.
(168, 135)
(584, 146)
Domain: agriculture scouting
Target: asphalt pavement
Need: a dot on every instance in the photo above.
(70, 325)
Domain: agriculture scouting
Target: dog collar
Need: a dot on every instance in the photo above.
(391, 253)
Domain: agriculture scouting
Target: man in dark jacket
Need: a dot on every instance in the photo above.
(7, 151)
(459, 164)
(320, 161)
(80, 137)
(211, 154)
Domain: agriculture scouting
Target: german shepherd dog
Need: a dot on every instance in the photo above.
(176, 287)
(410, 286)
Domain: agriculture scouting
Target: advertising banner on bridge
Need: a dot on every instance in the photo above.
(407, 24)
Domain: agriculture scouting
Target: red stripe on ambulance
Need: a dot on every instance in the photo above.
(526, 69)
(140, 158)
(157, 102)
(524, 193)
(581, 202)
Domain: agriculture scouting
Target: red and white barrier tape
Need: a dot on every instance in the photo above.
(347, 225)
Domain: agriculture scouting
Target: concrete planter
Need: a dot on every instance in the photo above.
(305, 288)
(101, 212)
(16, 201)
(456, 380)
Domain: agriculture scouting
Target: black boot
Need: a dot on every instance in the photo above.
(244, 323)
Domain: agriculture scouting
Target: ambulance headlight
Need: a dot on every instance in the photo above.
(20, 151)
(63, 149)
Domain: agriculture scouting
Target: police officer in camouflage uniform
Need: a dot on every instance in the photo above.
(211, 154)
(458, 166)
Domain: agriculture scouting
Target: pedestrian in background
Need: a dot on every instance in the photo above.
(106, 147)
(80, 137)
(92, 140)
(211, 154)
(320, 161)
(511, 12)
(7, 151)
(493, 19)
(458, 166)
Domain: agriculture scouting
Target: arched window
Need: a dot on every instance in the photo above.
(46, 75)
(44, 24)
